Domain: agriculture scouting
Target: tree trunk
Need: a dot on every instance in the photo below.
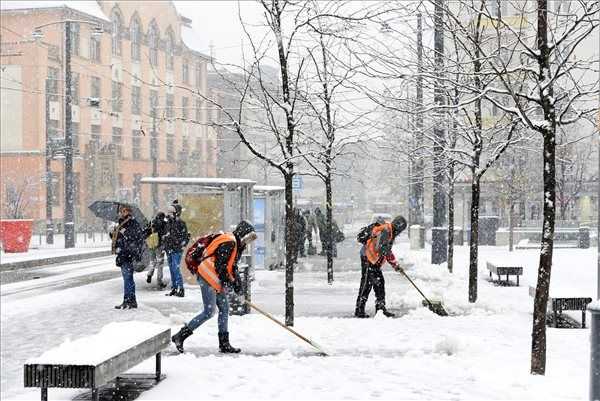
(329, 222)
(451, 218)
(511, 224)
(289, 249)
(474, 240)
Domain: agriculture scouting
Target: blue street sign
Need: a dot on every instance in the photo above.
(297, 183)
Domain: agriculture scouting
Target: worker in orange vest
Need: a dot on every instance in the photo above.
(376, 250)
(216, 274)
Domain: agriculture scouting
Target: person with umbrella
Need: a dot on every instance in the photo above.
(127, 241)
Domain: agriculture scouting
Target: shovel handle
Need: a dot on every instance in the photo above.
(294, 332)
(417, 288)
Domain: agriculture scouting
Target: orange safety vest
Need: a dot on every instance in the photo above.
(207, 270)
(371, 246)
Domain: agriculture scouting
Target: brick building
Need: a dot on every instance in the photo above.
(142, 70)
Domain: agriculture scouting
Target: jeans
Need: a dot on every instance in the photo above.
(174, 258)
(157, 260)
(211, 299)
(128, 282)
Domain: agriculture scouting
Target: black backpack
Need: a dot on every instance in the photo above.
(365, 233)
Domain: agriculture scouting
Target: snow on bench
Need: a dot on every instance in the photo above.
(93, 361)
(505, 271)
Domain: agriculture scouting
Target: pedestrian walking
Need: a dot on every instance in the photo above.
(155, 233)
(175, 239)
(217, 274)
(321, 224)
(377, 249)
(311, 225)
(127, 242)
(299, 234)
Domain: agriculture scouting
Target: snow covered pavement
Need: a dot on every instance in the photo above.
(481, 352)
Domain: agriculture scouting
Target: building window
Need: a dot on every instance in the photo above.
(153, 40)
(74, 38)
(198, 109)
(56, 188)
(136, 145)
(95, 138)
(185, 72)
(170, 50)
(170, 147)
(169, 106)
(184, 107)
(154, 146)
(198, 75)
(116, 32)
(95, 91)
(95, 49)
(117, 99)
(153, 102)
(74, 88)
(185, 145)
(136, 38)
(75, 136)
(137, 188)
(136, 99)
(117, 140)
(52, 86)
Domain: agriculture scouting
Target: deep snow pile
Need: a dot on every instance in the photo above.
(482, 351)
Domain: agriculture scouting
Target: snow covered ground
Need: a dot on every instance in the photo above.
(482, 351)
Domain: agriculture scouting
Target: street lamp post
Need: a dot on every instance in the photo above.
(69, 215)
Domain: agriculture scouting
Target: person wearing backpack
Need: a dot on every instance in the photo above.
(127, 242)
(377, 239)
(214, 260)
(155, 233)
(175, 239)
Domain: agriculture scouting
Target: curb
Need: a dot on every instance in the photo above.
(52, 260)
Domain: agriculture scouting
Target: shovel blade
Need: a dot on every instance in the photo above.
(436, 307)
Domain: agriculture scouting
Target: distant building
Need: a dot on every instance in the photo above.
(143, 70)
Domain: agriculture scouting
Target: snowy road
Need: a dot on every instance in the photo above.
(480, 352)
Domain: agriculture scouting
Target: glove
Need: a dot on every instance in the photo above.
(398, 268)
(237, 285)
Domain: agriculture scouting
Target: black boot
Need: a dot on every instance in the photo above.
(180, 293)
(360, 314)
(224, 345)
(386, 313)
(148, 279)
(180, 337)
(132, 303)
(173, 292)
(123, 305)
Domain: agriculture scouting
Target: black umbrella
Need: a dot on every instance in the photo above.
(109, 210)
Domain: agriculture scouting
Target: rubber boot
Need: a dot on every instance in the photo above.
(180, 293)
(224, 345)
(360, 314)
(386, 313)
(180, 337)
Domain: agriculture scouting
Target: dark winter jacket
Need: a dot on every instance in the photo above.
(176, 235)
(129, 241)
(299, 226)
(159, 226)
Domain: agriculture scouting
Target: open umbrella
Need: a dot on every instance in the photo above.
(109, 210)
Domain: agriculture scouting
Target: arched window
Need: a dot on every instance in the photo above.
(117, 26)
(136, 38)
(153, 40)
(170, 49)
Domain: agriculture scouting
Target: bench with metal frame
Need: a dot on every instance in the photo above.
(505, 271)
(95, 375)
(556, 305)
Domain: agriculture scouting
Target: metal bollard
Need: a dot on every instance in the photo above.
(594, 308)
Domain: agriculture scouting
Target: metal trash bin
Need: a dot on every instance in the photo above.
(584, 237)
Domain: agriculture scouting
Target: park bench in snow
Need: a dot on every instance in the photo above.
(93, 361)
(556, 305)
(505, 271)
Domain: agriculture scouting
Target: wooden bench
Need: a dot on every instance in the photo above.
(505, 271)
(54, 370)
(556, 306)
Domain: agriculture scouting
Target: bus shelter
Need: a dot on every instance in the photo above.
(211, 205)
(269, 221)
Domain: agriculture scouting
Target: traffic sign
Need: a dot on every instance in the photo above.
(297, 183)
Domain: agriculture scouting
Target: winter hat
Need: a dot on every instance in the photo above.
(177, 207)
(398, 225)
(244, 231)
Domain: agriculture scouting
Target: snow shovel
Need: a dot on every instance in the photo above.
(435, 306)
(294, 332)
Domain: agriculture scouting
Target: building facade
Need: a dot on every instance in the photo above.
(137, 96)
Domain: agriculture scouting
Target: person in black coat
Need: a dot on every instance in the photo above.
(127, 242)
(158, 226)
(175, 240)
(299, 234)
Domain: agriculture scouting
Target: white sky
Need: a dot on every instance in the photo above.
(217, 22)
